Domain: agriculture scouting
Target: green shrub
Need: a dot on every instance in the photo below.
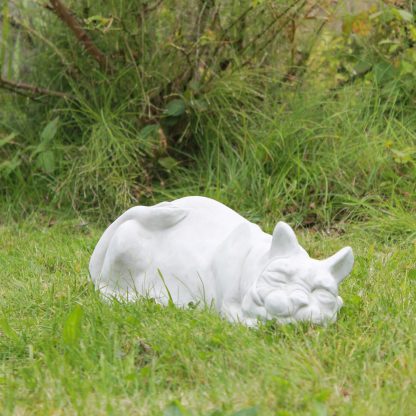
(216, 98)
(159, 80)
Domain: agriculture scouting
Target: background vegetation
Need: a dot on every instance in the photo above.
(284, 109)
(298, 110)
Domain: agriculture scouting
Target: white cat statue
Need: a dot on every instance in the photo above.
(197, 250)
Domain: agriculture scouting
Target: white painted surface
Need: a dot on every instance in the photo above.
(196, 249)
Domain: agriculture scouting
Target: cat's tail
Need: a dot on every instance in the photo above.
(157, 217)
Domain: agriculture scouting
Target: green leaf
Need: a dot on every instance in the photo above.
(47, 135)
(406, 68)
(72, 326)
(150, 130)
(97, 19)
(174, 108)
(49, 132)
(362, 67)
(98, 22)
(250, 411)
(46, 161)
(168, 163)
(8, 330)
(405, 15)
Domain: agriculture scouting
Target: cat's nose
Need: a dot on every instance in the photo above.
(277, 303)
(299, 299)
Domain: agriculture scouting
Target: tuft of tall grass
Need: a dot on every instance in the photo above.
(315, 160)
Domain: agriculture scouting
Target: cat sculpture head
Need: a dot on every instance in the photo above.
(294, 287)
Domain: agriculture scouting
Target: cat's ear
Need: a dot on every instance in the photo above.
(284, 241)
(340, 264)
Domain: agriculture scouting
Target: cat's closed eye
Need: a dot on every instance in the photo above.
(323, 296)
(275, 278)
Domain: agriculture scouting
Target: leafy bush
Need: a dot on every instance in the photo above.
(254, 103)
(376, 44)
(141, 89)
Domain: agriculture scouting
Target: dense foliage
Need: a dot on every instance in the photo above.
(296, 109)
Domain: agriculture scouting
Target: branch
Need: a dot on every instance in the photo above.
(270, 25)
(200, 26)
(275, 33)
(71, 21)
(227, 29)
(18, 87)
(17, 92)
(352, 79)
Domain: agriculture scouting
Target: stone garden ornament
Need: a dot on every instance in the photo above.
(197, 250)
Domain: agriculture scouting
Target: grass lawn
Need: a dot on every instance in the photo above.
(65, 351)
